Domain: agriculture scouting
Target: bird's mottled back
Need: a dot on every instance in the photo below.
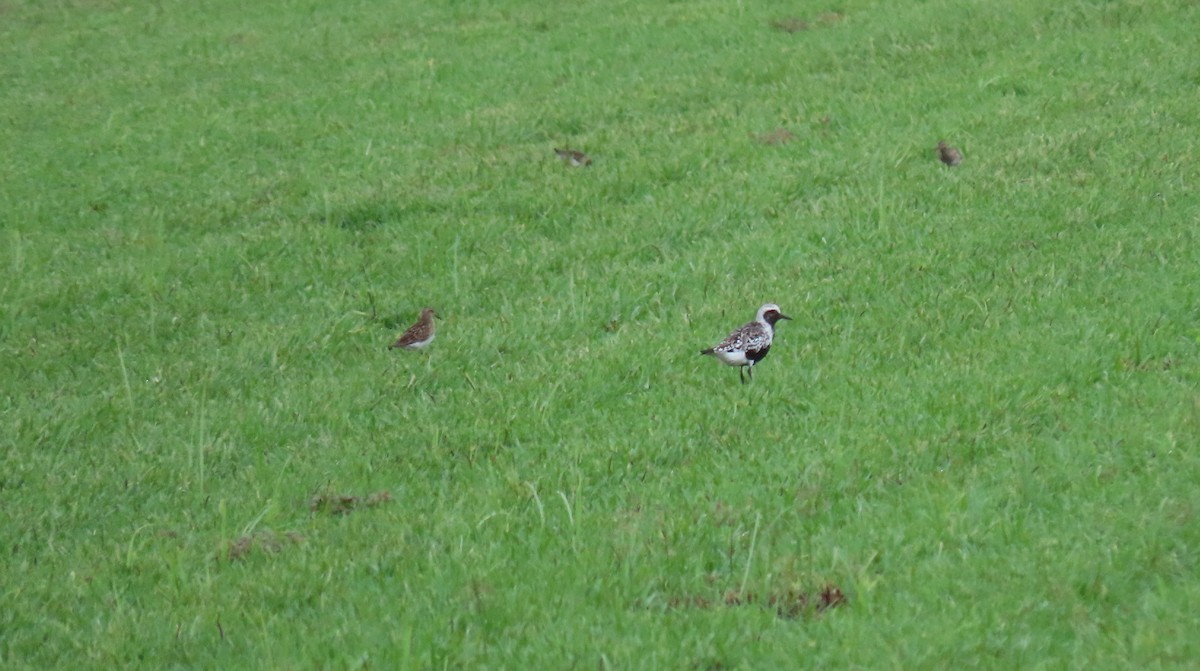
(748, 337)
(948, 155)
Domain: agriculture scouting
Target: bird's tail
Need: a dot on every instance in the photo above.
(706, 351)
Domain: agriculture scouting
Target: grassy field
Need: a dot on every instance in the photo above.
(974, 446)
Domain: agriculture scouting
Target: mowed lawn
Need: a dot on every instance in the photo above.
(974, 446)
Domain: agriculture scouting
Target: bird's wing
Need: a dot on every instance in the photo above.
(748, 337)
(413, 334)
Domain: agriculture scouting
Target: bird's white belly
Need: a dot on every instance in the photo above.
(421, 344)
(734, 358)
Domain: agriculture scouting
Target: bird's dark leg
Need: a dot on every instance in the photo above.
(740, 375)
(750, 371)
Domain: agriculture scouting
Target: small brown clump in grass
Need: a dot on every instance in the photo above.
(1147, 364)
(263, 541)
(790, 24)
(776, 137)
(341, 504)
(795, 24)
(240, 547)
(689, 601)
(831, 597)
(788, 604)
(735, 597)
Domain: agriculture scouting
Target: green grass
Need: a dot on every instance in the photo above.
(981, 425)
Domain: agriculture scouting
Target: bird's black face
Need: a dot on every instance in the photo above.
(772, 316)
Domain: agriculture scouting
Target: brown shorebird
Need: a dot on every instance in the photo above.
(419, 335)
(749, 343)
(949, 155)
(574, 158)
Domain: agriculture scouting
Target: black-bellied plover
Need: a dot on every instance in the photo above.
(948, 155)
(573, 157)
(749, 344)
(418, 335)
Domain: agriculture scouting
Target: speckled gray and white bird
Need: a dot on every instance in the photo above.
(574, 157)
(749, 343)
(419, 335)
(948, 155)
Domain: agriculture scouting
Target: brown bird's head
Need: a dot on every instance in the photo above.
(771, 314)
